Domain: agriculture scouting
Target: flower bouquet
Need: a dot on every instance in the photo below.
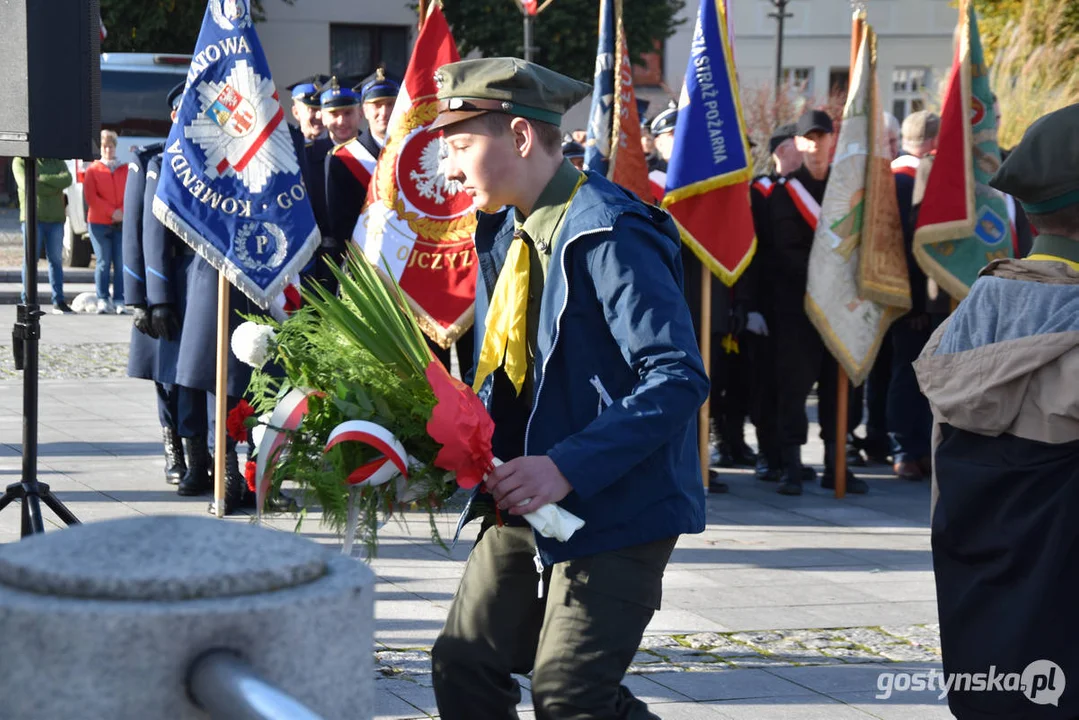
(365, 419)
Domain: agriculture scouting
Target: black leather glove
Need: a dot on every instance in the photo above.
(142, 321)
(164, 321)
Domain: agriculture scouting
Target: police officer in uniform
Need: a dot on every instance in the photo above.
(663, 137)
(312, 152)
(307, 109)
(802, 358)
(574, 152)
(377, 96)
(196, 363)
(602, 418)
(155, 283)
(348, 170)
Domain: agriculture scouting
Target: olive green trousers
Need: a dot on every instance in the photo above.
(577, 640)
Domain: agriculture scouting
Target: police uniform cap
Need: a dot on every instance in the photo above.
(1042, 172)
(173, 98)
(378, 86)
(665, 121)
(308, 90)
(336, 96)
(813, 120)
(920, 127)
(512, 86)
(572, 149)
(782, 134)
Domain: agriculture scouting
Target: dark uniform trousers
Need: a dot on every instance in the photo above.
(760, 353)
(803, 361)
(182, 409)
(577, 640)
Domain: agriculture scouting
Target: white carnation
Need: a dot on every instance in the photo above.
(253, 343)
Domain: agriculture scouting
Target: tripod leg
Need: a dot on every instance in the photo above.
(6, 499)
(54, 504)
(24, 510)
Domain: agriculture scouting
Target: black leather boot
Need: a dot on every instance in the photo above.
(790, 481)
(198, 480)
(855, 485)
(175, 467)
(765, 470)
(736, 454)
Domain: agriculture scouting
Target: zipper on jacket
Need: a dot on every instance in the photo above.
(605, 400)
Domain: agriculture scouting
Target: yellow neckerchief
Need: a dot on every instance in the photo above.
(1054, 258)
(504, 336)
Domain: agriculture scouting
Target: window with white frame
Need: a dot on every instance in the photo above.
(799, 80)
(909, 88)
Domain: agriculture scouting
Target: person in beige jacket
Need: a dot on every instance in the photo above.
(1002, 379)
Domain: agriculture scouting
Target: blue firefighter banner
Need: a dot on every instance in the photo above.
(230, 182)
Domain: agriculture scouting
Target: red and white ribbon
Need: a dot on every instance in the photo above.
(805, 202)
(288, 415)
(393, 460)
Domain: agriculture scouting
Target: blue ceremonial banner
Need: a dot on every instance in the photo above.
(230, 182)
(709, 171)
(597, 150)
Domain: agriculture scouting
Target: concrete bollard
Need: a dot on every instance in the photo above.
(102, 621)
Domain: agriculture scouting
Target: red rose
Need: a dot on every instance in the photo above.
(249, 474)
(236, 423)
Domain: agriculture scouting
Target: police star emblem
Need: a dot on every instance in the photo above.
(240, 128)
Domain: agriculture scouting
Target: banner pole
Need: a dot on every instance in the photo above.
(842, 382)
(706, 357)
(221, 394)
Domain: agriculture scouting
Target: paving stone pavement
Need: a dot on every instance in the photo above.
(782, 608)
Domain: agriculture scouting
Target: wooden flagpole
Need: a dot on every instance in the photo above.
(843, 382)
(221, 396)
(706, 357)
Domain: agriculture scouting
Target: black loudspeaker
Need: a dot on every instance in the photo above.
(50, 78)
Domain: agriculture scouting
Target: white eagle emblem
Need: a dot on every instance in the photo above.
(240, 127)
(432, 182)
(230, 14)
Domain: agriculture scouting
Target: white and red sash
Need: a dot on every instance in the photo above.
(764, 185)
(807, 205)
(906, 165)
(657, 180)
(358, 160)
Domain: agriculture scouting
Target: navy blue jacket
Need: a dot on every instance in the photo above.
(153, 272)
(614, 326)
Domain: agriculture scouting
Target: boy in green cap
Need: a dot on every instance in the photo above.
(1002, 378)
(587, 362)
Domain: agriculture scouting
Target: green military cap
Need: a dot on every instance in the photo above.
(506, 85)
(1042, 172)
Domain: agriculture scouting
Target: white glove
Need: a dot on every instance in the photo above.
(755, 324)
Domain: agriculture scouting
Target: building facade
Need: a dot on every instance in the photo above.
(348, 38)
(914, 49)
